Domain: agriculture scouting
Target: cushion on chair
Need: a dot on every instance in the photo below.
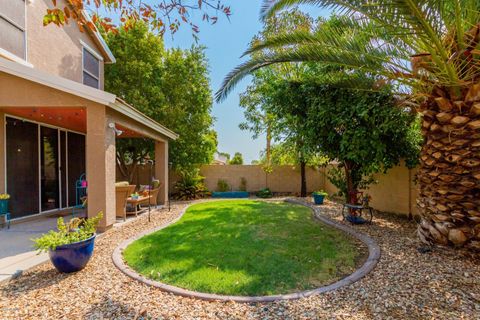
(122, 184)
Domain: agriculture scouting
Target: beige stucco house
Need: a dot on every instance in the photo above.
(56, 122)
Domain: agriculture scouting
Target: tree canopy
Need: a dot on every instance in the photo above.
(170, 86)
(237, 159)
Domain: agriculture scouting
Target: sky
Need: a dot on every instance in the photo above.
(225, 42)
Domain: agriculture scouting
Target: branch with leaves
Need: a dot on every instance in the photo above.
(161, 15)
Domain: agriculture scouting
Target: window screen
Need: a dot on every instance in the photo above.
(91, 69)
(12, 27)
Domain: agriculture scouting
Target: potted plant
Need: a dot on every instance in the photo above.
(319, 196)
(71, 247)
(4, 197)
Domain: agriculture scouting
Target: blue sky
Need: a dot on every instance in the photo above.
(225, 42)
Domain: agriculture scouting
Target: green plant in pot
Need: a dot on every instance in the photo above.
(71, 247)
(319, 196)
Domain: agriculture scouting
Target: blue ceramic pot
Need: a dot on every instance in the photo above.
(72, 257)
(318, 198)
(3, 206)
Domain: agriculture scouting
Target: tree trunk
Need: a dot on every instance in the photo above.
(449, 174)
(303, 190)
(269, 142)
(351, 196)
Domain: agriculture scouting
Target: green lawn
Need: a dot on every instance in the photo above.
(244, 247)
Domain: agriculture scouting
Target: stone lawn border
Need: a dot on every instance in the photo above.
(369, 265)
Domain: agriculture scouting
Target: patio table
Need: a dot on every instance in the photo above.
(135, 202)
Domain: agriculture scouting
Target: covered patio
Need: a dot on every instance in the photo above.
(53, 130)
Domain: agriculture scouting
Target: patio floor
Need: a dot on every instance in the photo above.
(16, 247)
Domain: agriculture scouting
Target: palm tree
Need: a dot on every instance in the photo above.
(430, 48)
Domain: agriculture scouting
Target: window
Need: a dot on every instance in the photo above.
(12, 27)
(91, 69)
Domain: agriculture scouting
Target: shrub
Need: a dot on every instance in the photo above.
(222, 186)
(190, 186)
(243, 184)
(78, 229)
(265, 193)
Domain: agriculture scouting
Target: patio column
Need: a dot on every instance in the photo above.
(2, 152)
(100, 153)
(161, 169)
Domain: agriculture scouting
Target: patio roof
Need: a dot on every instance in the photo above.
(85, 92)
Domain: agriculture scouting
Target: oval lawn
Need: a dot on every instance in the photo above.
(245, 247)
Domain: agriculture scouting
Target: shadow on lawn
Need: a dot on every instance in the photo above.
(261, 249)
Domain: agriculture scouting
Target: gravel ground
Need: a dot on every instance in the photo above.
(442, 284)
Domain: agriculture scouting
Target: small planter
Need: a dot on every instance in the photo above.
(72, 257)
(318, 198)
(230, 194)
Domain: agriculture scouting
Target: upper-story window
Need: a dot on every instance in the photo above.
(91, 68)
(12, 28)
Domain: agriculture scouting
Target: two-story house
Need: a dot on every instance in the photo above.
(56, 122)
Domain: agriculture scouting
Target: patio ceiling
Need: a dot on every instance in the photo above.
(69, 118)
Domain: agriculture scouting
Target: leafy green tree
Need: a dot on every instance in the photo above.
(431, 48)
(237, 159)
(257, 98)
(364, 131)
(171, 87)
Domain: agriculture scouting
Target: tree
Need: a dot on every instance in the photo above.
(237, 159)
(171, 87)
(364, 131)
(161, 15)
(256, 98)
(431, 48)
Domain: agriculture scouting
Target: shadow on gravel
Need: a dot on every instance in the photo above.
(33, 281)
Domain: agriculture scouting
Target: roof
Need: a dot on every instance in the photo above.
(99, 41)
(83, 91)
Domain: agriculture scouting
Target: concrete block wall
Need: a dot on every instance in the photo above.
(395, 192)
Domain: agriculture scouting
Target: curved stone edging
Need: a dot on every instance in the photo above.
(370, 263)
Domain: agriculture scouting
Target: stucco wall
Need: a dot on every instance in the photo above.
(283, 179)
(56, 50)
(395, 191)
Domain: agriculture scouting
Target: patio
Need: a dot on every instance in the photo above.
(405, 284)
(16, 247)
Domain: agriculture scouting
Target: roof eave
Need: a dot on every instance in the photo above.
(131, 112)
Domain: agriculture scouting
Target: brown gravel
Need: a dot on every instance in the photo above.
(442, 284)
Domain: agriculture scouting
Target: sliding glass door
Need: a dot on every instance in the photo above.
(49, 178)
(22, 167)
(43, 164)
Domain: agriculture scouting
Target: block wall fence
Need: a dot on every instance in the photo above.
(395, 192)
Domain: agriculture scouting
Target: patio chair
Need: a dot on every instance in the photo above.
(353, 212)
(122, 191)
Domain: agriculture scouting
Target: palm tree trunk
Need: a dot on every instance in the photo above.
(449, 174)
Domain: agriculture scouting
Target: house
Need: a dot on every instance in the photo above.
(219, 159)
(56, 121)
